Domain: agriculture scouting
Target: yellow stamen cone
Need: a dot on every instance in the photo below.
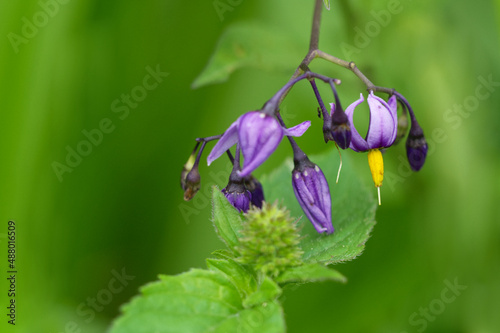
(376, 163)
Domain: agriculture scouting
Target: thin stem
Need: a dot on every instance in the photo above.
(313, 45)
(197, 161)
(272, 105)
(209, 138)
(347, 64)
(326, 115)
(318, 7)
(230, 156)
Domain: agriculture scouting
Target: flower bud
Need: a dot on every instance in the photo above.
(238, 195)
(416, 147)
(256, 190)
(341, 131)
(191, 184)
(312, 192)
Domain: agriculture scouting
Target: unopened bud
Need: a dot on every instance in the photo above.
(416, 147)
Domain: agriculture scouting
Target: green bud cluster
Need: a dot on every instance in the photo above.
(270, 240)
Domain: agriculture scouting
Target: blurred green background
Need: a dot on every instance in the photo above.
(119, 209)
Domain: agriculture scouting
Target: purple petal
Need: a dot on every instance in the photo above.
(313, 194)
(332, 108)
(259, 136)
(239, 200)
(393, 107)
(297, 130)
(357, 142)
(228, 139)
(383, 123)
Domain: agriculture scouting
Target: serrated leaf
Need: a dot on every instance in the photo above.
(267, 291)
(242, 279)
(310, 273)
(353, 209)
(226, 219)
(196, 301)
(250, 45)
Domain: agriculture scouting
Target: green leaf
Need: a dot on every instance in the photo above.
(251, 292)
(268, 290)
(226, 219)
(242, 279)
(250, 45)
(310, 273)
(196, 301)
(353, 209)
(327, 4)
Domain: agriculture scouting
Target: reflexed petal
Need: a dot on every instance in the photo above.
(259, 136)
(297, 130)
(383, 123)
(228, 139)
(393, 107)
(357, 142)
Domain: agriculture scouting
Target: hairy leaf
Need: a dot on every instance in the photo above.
(353, 209)
(196, 301)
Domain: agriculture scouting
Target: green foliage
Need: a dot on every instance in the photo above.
(265, 251)
(196, 301)
(226, 219)
(310, 273)
(249, 45)
(353, 210)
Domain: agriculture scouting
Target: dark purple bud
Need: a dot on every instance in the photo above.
(341, 130)
(238, 195)
(312, 192)
(416, 147)
(256, 190)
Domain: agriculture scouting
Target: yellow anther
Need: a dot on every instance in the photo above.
(376, 163)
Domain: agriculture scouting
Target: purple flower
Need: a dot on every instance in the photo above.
(383, 125)
(341, 131)
(259, 135)
(312, 192)
(256, 190)
(238, 196)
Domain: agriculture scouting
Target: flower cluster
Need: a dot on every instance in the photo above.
(257, 134)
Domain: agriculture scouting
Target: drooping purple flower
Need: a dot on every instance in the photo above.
(383, 126)
(312, 192)
(259, 134)
(382, 132)
(238, 196)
